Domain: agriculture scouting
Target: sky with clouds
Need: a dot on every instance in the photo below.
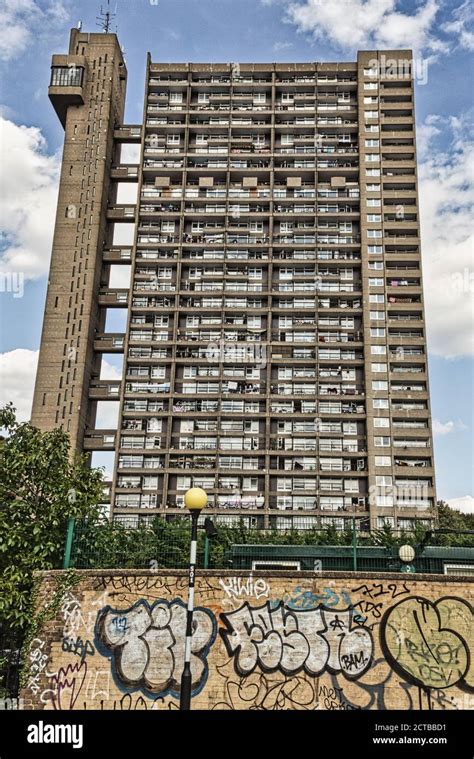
(441, 34)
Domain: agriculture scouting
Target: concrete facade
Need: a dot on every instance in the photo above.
(275, 349)
(261, 641)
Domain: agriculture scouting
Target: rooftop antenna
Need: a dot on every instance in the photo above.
(105, 18)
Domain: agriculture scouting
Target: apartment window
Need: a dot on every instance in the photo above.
(374, 217)
(373, 202)
(371, 114)
(378, 350)
(384, 501)
(176, 97)
(373, 188)
(377, 331)
(380, 403)
(372, 172)
(381, 421)
(371, 86)
(375, 282)
(376, 265)
(372, 158)
(374, 233)
(379, 385)
(375, 250)
(377, 316)
(376, 298)
(383, 521)
(379, 368)
(67, 76)
(383, 480)
(381, 442)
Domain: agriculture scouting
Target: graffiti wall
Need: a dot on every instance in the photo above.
(261, 641)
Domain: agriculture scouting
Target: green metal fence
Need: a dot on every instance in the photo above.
(165, 545)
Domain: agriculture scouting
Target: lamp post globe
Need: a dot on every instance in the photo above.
(195, 499)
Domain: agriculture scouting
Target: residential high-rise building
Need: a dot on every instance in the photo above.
(274, 351)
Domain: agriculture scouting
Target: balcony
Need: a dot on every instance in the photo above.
(128, 133)
(109, 343)
(99, 440)
(104, 390)
(68, 78)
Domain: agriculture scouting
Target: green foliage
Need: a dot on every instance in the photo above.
(63, 583)
(42, 485)
(454, 520)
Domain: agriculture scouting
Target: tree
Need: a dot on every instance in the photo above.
(42, 485)
(454, 520)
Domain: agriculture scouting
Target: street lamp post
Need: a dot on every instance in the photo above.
(195, 500)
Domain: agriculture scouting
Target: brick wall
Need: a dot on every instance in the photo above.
(262, 640)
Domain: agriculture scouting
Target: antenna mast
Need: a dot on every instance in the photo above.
(105, 18)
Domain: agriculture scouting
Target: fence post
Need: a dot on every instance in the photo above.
(69, 538)
(206, 552)
(354, 545)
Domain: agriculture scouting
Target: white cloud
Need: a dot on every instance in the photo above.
(368, 24)
(109, 371)
(17, 380)
(278, 46)
(28, 197)
(446, 201)
(20, 20)
(465, 504)
(446, 428)
(462, 17)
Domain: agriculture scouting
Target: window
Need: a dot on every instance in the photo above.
(372, 172)
(375, 250)
(383, 461)
(372, 158)
(381, 421)
(377, 316)
(377, 331)
(379, 385)
(376, 217)
(67, 76)
(373, 188)
(384, 500)
(376, 298)
(176, 97)
(379, 368)
(380, 403)
(375, 282)
(383, 480)
(376, 265)
(378, 350)
(374, 202)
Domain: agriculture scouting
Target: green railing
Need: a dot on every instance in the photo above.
(165, 545)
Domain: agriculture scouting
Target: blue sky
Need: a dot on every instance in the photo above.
(252, 30)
